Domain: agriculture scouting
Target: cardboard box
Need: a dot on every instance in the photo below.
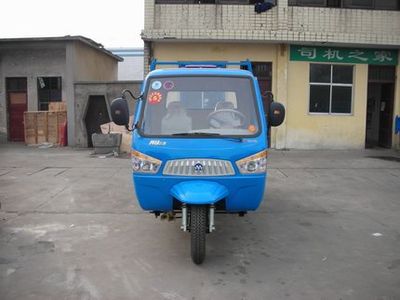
(58, 106)
(126, 142)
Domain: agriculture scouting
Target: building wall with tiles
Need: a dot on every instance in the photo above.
(282, 23)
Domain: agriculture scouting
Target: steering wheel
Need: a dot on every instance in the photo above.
(216, 119)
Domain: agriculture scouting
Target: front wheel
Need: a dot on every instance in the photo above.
(198, 228)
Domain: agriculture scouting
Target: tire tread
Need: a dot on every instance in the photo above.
(198, 229)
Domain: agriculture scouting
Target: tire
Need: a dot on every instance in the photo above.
(198, 228)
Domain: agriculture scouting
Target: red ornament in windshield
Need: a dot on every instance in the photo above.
(155, 98)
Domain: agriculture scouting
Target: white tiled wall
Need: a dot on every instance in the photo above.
(282, 23)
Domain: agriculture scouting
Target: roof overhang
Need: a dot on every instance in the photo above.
(67, 38)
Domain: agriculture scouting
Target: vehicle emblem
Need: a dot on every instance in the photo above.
(157, 143)
(198, 167)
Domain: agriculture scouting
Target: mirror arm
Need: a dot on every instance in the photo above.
(131, 94)
(135, 98)
(269, 94)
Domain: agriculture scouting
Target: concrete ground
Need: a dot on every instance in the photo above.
(70, 228)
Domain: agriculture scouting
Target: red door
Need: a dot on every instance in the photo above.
(17, 105)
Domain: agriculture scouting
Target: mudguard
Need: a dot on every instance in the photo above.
(198, 192)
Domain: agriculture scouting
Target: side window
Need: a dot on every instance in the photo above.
(331, 89)
(358, 4)
(202, 100)
(211, 99)
(191, 100)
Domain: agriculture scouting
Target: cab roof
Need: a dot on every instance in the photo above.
(200, 71)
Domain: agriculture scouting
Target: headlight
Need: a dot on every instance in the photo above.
(142, 163)
(253, 164)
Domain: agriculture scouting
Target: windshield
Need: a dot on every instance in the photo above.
(200, 106)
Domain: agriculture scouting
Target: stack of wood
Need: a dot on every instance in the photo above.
(44, 126)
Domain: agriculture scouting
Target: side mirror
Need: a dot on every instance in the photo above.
(120, 112)
(276, 114)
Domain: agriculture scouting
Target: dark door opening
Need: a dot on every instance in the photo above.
(380, 104)
(16, 106)
(263, 72)
(96, 115)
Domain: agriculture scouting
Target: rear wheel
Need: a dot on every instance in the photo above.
(198, 228)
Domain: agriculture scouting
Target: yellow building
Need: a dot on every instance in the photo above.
(334, 64)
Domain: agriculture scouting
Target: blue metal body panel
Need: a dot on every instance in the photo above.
(241, 192)
(154, 193)
(199, 192)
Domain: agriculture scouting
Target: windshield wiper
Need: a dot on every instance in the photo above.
(235, 139)
(198, 133)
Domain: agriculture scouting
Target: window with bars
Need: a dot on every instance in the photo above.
(359, 4)
(331, 89)
(49, 90)
(208, 1)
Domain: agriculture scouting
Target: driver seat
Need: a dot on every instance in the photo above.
(225, 119)
(176, 120)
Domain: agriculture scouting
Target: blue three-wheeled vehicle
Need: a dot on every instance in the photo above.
(199, 143)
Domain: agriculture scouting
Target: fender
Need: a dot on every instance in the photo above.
(199, 192)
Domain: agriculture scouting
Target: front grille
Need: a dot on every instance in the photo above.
(198, 167)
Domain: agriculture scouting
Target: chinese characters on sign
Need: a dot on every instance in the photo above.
(332, 54)
(344, 55)
(357, 54)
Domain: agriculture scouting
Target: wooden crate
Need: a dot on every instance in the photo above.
(41, 127)
(62, 118)
(57, 106)
(30, 127)
(55, 119)
(52, 127)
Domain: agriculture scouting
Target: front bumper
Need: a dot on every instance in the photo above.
(245, 193)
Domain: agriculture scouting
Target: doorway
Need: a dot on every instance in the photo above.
(17, 104)
(263, 72)
(96, 115)
(380, 104)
